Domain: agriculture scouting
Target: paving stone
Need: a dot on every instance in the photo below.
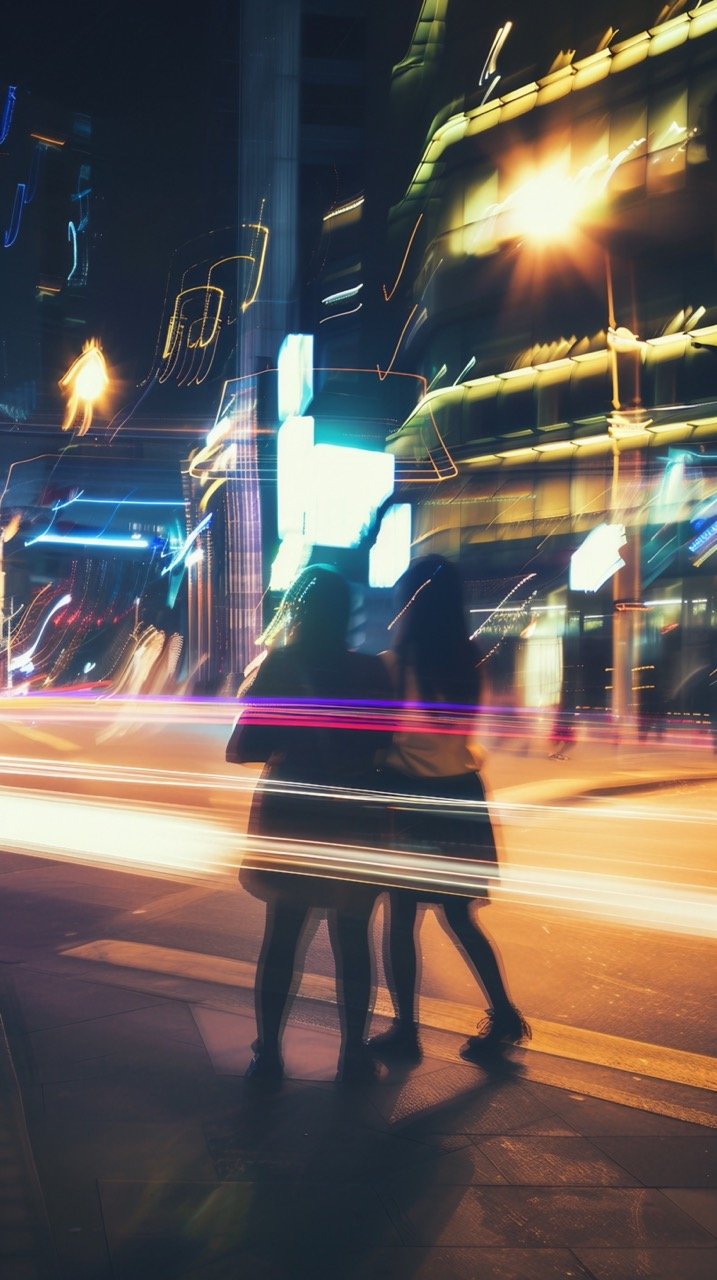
(155, 1093)
(137, 1038)
(109, 1149)
(666, 1161)
(188, 1229)
(308, 1054)
(593, 1116)
(49, 1000)
(344, 1155)
(466, 1264)
(460, 1101)
(550, 1218)
(550, 1161)
(650, 1264)
(700, 1204)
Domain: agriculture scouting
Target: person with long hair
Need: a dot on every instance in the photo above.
(441, 806)
(304, 795)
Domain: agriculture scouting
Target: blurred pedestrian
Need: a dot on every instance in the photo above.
(301, 797)
(434, 667)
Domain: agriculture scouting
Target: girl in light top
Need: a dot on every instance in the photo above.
(433, 665)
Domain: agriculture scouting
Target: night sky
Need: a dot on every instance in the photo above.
(158, 81)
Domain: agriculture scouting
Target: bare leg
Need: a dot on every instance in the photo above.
(275, 971)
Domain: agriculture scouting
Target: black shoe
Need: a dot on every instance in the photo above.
(499, 1031)
(264, 1068)
(400, 1044)
(357, 1067)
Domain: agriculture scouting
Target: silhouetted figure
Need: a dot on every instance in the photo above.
(314, 665)
(434, 662)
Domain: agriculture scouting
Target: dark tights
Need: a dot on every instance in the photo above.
(402, 952)
(285, 924)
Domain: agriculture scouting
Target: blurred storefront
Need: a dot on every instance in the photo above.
(558, 293)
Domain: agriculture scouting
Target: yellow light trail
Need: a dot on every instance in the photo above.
(187, 842)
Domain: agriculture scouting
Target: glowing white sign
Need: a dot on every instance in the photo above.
(598, 557)
(294, 452)
(390, 555)
(295, 367)
(347, 487)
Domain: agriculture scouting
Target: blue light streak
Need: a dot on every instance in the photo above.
(181, 553)
(132, 543)
(128, 502)
(703, 538)
(72, 237)
(12, 231)
(7, 113)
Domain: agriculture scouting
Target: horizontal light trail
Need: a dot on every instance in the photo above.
(504, 726)
(243, 778)
(184, 842)
(126, 774)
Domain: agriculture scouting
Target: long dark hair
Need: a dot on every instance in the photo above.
(432, 635)
(314, 613)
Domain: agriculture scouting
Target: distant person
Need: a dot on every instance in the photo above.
(304, 762)
(434, 662)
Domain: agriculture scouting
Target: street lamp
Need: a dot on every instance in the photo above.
(85, 383)
(545, 210)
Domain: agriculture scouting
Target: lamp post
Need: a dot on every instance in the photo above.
(547, 210)
(624, 424)
(6, 534)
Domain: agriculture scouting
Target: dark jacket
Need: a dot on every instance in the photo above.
(298, 722)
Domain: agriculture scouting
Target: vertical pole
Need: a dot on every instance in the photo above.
(2, 608)
(8, 650)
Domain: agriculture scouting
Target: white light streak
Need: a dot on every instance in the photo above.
(21, 660)
(342, 295)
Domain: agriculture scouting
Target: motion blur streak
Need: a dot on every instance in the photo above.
(192, 843)
(77, 707)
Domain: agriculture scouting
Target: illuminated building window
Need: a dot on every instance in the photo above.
(667, 139)
(628, 123)
(701, 117)
(515, 407)
(590, 389)
(591, 140)
(479, 198)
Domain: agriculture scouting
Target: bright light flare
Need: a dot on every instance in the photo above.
(547, 206)
(85, 383)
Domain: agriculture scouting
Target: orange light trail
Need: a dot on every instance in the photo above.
(384, 374)
(388, 295)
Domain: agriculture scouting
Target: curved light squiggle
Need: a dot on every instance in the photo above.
(23, 661)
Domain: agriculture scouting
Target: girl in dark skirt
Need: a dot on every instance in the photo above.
(434, 662)
(302, 797)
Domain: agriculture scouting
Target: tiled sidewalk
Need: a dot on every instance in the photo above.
(157, 1159)
(26, 1249)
